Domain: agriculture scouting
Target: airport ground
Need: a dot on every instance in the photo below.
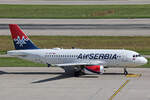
(38, 83)
(79, 27)
(34, 83)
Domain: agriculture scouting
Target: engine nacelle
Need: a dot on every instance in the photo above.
(95, 69)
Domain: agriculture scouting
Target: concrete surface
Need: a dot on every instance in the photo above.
(83, 32)
(80, 27)
(74, 21)
(78, 2)
(32, 83)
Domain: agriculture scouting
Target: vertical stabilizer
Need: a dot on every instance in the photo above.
(20, 39)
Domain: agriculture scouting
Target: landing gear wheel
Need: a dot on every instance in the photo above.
(125, 71)
(77, 73)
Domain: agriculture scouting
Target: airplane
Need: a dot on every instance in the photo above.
(76, 61)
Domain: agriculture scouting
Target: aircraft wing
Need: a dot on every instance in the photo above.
(79, 64)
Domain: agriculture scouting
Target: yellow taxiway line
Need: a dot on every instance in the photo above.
(123, 85)
(133, 75)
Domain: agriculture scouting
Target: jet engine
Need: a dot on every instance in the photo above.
(94, 69)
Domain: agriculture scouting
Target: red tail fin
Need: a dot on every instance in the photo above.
(16, 31)
(21, 41)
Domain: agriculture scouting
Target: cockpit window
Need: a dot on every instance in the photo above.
(137, 55)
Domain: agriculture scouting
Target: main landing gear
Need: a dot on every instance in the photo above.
(78, 72)
(48, 65)
(125, 71)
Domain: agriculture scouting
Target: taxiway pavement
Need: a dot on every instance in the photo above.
(39, 83)
(80, 27)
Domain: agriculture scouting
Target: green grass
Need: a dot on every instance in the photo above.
(16, 62)
(3, 52)
(74, 11)
(140, 44)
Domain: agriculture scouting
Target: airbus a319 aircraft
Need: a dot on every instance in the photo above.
(76, 61)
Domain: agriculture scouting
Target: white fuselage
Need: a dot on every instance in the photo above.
(106, 57)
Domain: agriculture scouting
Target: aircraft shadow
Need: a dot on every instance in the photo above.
(30, 73)
(113, 74)
(89, 76)
(47, 73)
(2, 72)
(62, 76)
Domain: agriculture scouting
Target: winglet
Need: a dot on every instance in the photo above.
(20, 39)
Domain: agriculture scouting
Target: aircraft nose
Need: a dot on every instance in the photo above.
(144, 61)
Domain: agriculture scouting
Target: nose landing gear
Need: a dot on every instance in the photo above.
(125, 71)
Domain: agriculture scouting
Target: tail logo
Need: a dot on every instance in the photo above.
(21, 42)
